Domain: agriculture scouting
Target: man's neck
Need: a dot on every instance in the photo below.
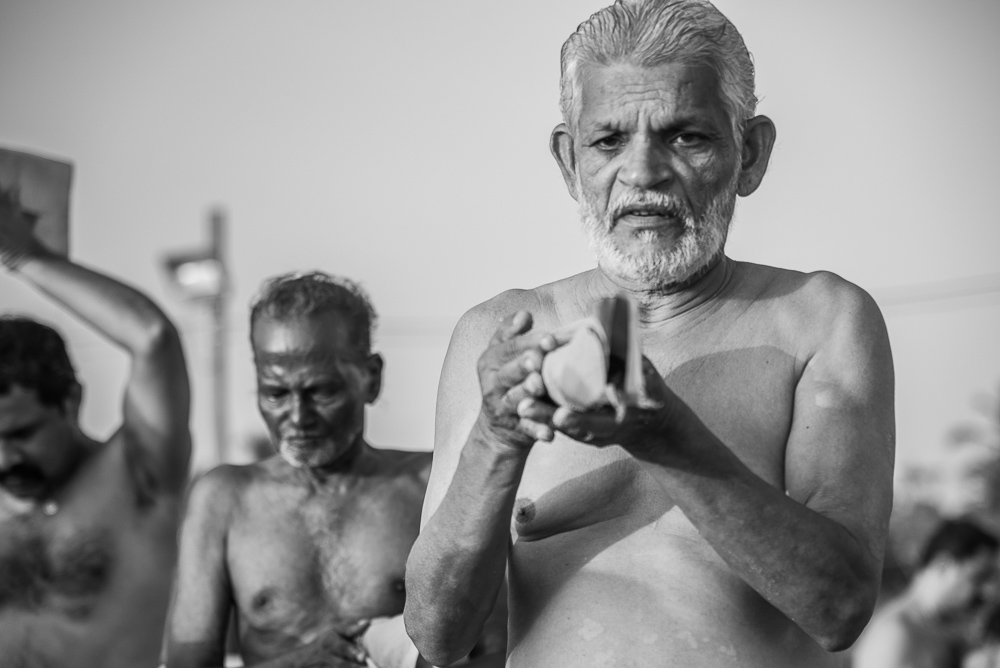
(662, 303)
(350, 463)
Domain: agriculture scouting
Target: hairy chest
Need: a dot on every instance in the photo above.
(298, 565)
(41, 569)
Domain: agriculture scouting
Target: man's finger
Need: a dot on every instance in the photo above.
(534, 410)
(530, 388)
(538, 431)
(355, 629)
(519, 369)
(517, 323)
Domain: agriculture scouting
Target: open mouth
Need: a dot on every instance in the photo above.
(648, 214)
(23, 480)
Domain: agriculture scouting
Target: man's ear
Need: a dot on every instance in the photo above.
(561, 145)
(373, 387)
(758, 140)
(71, 404)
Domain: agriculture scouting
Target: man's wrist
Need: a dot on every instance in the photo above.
(16, 259)
(504, 443)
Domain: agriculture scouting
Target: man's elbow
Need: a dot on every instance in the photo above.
(846, 616)
(158, 336)
(430, 635)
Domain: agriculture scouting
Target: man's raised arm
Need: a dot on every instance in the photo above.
(157, 397)
(457, 566)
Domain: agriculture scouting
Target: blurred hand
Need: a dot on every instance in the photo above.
(17, 237)
(335, 648)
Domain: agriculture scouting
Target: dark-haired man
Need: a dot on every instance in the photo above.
(306, 549)
(87, 529)
(928, 625)
(734, 515)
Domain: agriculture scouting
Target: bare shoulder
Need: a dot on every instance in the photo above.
(215, 494)
(819, 293)
(544, 303)
(481, 321)
(816, 307)
(406, 464)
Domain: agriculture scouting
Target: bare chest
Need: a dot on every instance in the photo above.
(298, 564)
(43, 570)
(741, 386)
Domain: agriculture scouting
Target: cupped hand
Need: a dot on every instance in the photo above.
(636, 427)
(509, 373)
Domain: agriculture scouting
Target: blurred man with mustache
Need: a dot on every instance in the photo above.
(306, 550)
(735, 514)
(87, 528)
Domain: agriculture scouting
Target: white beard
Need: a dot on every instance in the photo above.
(703, 237)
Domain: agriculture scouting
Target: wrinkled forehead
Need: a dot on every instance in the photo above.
(319, 340)
(668, 90)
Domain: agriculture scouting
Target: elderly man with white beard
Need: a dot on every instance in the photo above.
(735, 513)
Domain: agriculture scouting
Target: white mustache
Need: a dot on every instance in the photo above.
(644, 198)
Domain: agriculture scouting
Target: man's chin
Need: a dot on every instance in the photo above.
(311, 458)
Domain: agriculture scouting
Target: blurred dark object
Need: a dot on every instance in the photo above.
(42, 187)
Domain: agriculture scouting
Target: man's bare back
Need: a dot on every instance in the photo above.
(304, 553)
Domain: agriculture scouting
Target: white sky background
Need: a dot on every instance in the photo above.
(404, 144)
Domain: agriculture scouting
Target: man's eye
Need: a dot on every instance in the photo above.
(326, 393)
(609, 143)
(273, 395)
(688, 139)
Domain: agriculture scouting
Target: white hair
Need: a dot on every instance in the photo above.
(648, 33)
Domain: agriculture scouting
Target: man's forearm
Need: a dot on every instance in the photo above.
(120, 312)
(458, 563)
(805, 564)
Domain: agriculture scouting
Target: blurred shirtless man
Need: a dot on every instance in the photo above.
(736, 518)
(88, 530)
(309, 546)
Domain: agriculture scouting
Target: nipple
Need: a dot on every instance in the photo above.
(524, 511)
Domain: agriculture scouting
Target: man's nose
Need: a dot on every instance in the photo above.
(646, 165)
(9, 456)
(301, 410)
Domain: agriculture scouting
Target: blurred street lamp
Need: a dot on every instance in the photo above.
(200, 276)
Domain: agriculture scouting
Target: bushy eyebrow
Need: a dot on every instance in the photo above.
(308, 357)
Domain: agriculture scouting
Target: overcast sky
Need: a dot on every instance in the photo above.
(404, 144)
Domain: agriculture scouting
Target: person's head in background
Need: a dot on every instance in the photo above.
(311, 336)
(957, 571)
(39, 408)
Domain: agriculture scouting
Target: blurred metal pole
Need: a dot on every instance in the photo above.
(201, 277)
(219, 303)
